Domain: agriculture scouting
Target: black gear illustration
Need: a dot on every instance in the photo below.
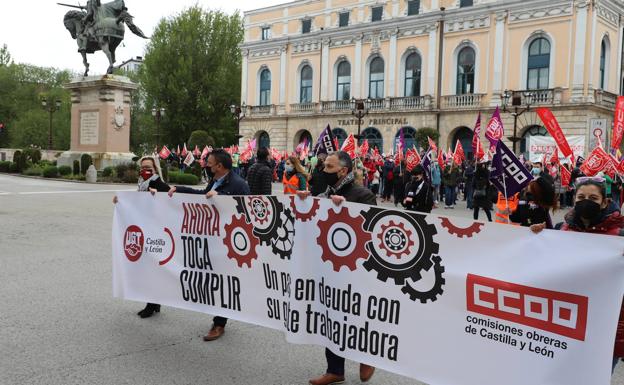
(435, 291)
(264, 231)
(416, 261)
(460, 232)
(259, 209)
(282, 245)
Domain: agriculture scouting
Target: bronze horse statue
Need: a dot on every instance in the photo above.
(99, 26)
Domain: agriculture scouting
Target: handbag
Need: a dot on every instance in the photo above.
(480, 193)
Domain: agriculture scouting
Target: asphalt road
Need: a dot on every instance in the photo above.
(60, 325)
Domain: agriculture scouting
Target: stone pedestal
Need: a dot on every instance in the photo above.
(100, 120)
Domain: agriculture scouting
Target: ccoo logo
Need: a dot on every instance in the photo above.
(133, 243)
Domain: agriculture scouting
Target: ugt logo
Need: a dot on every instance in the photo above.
(133, 243)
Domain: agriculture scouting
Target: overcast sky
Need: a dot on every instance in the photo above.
(34, 32)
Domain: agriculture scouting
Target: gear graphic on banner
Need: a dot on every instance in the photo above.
(461, 232)
(266, 225)
(343, 239)
(240, 241)
(435, 291)
(304, 217)
(383, 257)
(283, 243)
(260, 210)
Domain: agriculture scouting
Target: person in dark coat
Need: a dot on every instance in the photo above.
(535, 202)
(223, 182)
(341, 187)
(260, 174)
(388, 178)
(418, 192)
(318, 184)
(469, 175)
(401, 177)
(481, 192)
(150, 179)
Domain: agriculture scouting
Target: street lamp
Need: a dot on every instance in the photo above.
(239, 114)
(52, 106)
(359, 110)
(516, 102)
(158, 113)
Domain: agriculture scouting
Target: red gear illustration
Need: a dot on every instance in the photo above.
(304, 217)
(254, 212)
(362, 238)
(388, 235)
(460, 232)
(239, 224)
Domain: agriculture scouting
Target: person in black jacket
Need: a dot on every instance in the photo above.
(260, 174)
(418, 192)
(223, 182)
(341, 187)
(481, 197)
(318, 184)
(535, 202)
(149, 180)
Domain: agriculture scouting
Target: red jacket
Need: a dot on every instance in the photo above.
(611, 224)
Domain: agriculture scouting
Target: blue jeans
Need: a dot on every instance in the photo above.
(449, 195)
(468, 192)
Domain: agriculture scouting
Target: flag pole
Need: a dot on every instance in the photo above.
(506, 199)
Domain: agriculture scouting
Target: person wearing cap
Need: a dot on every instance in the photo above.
(418, 192)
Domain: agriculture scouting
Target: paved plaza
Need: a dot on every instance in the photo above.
(59, 323)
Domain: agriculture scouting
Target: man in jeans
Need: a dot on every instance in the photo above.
(260, 174)
(450, 178)
(222, 182)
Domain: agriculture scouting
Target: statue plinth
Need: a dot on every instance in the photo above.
(100, 120)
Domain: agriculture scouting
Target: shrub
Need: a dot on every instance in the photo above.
(44, 163)
(188, 179)
(85, 162)
(51, 172)
(5, 166)
(20, 159)
(76, 168)
(13, 167)
(34, 171)
(107, 172)
(16, 155)
(64, 170)
(200, 138)
(33, 154)
(173, 176)
(130, 176)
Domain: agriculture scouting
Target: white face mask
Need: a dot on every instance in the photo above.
(289, 168)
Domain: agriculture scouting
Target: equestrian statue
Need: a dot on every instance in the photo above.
(99, 26)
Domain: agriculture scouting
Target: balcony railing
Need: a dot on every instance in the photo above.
(260, 110)
(462, 101)
(605, 99)
(303, 108)
(409, 103)
(336, 106)
(376, 104)
(540, 97)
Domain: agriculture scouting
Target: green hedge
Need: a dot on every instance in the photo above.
(34, 171)
(76, 167)
(5, 166)
(51, 172)
(108, 171)
(13, 168)
(180, 178)
(85, 162)
(64, 170)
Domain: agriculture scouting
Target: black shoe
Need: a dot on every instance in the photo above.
(149, 310)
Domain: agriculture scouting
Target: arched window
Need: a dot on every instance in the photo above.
(264, 140)
(376, 79)
(465, 71)
(409, 136)
(374, 138)
(340, 135)
(603, 62)
(305, 86)
(538, 67)
(303, 136)
(265, 87)
(464, 135)
(343, 81)
(412, 75)
(530, 131)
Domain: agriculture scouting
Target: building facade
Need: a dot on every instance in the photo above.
(428, 63)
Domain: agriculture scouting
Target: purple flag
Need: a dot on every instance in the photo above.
(402, 140)
(494, 131)
(325, 143)
(426, 164)
(508, 174)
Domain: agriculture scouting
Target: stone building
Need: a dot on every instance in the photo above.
(429, 63)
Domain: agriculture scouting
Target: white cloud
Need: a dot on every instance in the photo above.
(35, 34)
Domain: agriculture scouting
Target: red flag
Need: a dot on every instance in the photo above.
(205, 152)
(476, 142)
(364, 148)
(572, 161)
(551, 124)
(554, 159)
(597, 161)
(618, 123)
(459, 156)
(164, 153)
(620, 167)
(432, 144)
(196, 151)
(178, 151)
(441, 159)
(349, 146)
(412, 159)
(545, 159)
(184, 151)
(566, 177)
(480, 151)
(336, 143)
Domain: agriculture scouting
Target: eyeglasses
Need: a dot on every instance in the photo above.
(595, 179)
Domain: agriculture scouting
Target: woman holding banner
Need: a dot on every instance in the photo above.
(535, 202)
(295, 178)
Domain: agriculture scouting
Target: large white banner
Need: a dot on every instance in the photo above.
(539, 145)
(443, 300)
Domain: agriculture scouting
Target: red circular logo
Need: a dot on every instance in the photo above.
(133, 243)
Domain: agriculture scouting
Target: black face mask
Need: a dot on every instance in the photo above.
(587, 209)
(210, 173)
(331, 178)
(529, 197)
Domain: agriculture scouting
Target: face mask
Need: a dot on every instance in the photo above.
(331, 178)
(529, 196)
(146, 174)
(587, 209)
(535, 171)
(289, 168)
(209, 172)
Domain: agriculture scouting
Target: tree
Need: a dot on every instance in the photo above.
(200, 138)
(192, 68)
(5, 56)
(423, 133)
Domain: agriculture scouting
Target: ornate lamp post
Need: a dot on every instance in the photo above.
(516, 102)
(239, 114)
(158, 113)
(51, 106)
(359, 110)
